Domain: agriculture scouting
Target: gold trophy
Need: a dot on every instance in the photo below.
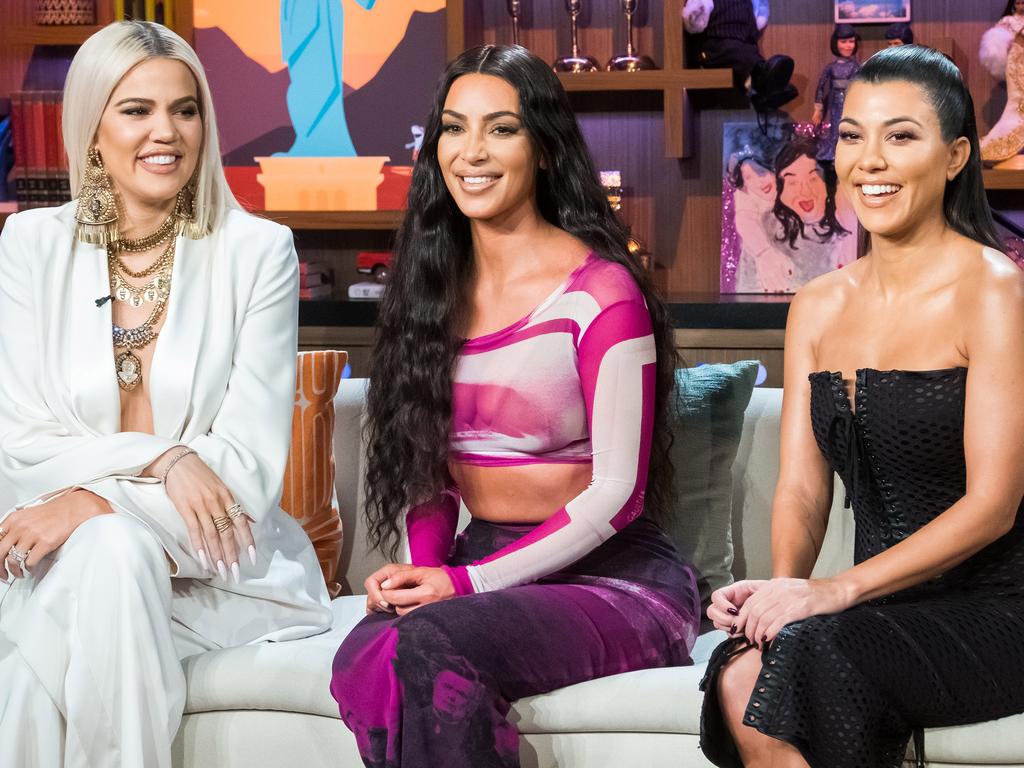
(630, 61)
(514, 7)
(575, 62)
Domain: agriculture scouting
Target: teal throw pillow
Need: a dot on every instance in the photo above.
(707, 420)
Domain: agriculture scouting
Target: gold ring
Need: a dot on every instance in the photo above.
(3, 532)
(235, 510)
(222, 523)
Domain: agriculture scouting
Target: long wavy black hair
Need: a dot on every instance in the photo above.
(410, 395)
(964, 203)
(828, 228)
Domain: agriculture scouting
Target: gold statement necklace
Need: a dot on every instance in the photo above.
(156, 291)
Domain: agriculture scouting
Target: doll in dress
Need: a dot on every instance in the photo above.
(831, 93)
(1002, 54)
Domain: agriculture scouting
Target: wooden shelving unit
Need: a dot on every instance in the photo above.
(1003, 179)
(673, 80)
(28, 34)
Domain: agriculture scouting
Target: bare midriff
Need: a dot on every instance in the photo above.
(528, 493)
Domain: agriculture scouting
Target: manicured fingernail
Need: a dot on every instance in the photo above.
(733, 630)
(732, 611)
(235, 574)
(385, 604)
(386, 584)
(202, 560)
(222, 570)
(252, 554)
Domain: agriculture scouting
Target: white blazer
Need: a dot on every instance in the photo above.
(222, 383)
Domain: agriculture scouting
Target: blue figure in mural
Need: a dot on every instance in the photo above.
(311, 43)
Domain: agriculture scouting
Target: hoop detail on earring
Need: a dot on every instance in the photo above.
(96, 215)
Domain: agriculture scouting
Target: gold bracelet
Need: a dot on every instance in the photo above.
(177, 457)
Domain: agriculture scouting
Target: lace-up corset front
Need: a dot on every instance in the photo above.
(900, 453)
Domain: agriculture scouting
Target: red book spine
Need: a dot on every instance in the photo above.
(49, 101)
(37, 148)
(18, 120)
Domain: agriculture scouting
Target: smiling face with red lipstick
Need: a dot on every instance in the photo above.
(803, 189)
(150, 134)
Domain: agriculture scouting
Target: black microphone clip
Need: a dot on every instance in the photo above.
(103, 300)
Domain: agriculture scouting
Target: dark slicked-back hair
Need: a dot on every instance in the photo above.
(410, 397)
(964, 202)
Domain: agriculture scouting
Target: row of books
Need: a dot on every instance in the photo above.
(145, 10)
(40, 162)
(316, 280)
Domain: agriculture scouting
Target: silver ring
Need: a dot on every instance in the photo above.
(19, 556)
(235, 510)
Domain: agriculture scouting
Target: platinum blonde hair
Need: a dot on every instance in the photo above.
(100, 64)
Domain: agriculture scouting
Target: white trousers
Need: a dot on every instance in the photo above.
(90, 671)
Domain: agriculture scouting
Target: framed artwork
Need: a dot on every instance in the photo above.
(784, 218)
(320, 103)
(871, 11)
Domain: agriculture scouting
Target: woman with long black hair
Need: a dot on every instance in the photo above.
(523, 367)
(903, 375)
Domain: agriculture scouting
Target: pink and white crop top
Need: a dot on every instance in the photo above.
(573, 382)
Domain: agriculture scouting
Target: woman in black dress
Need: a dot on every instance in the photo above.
(903, 374)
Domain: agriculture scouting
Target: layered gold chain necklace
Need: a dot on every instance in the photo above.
(156, 291)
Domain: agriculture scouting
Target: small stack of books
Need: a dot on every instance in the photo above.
(40, 162)
(316, 280)
(145, 10)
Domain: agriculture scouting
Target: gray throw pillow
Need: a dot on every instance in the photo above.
(707, 420)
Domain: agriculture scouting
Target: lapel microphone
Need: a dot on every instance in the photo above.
(103, 300)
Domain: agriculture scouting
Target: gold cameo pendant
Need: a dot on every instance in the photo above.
(129, 370)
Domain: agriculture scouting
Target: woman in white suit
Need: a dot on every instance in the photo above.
(147, 369)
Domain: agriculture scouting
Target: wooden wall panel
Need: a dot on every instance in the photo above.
(676, 205)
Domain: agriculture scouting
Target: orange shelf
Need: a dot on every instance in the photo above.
(367, 220)
(44, 34)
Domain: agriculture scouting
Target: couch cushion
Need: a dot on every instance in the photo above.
(295, 676)
(707, 421)
(292, 676)
(308, 493)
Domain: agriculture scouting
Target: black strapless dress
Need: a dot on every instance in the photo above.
(849, 689)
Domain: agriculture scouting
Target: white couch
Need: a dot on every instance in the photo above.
(269, 705)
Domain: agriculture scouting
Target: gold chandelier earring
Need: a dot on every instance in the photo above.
(185, 211)
(96, 215)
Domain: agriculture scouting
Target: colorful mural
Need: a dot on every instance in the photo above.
(305, 96)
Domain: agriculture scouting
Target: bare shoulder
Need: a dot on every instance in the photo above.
(824, 297)
(991, 279)
(991, 298)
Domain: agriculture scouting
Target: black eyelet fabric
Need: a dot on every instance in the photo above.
(848, 689)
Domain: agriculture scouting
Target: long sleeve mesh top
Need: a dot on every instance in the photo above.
(572, 382)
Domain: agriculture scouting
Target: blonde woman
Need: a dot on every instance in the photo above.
(147, 344)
